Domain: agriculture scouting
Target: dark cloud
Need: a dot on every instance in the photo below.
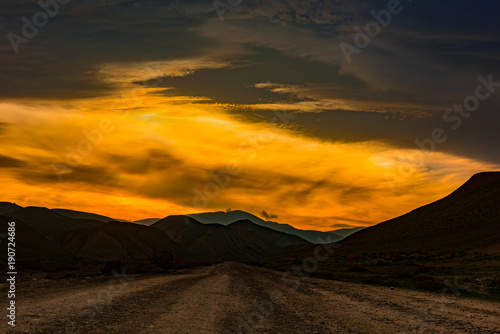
(427, 59)
(82, 176)
(143, 163)
(237, 84)
(63, 59)
(268, 216)
(8, 162)
(474, 138)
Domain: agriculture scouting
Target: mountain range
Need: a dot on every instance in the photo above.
(467, 219)
(100, 238)
(226, 218)
(241, 240)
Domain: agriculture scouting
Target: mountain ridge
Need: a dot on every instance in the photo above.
(469, 214)
(227, 218)
(48, 222)
(121, 241)
(242, 240)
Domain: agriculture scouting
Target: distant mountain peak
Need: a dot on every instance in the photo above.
(227, 218)
(179, 219)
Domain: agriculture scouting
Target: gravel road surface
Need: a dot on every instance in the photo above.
(236, 298)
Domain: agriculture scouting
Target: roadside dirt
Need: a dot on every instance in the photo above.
(235, 298)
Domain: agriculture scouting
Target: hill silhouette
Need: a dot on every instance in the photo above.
(147, 221)
(50, 223)
(126, 242)
(82, 215)
(227, 218)
(468, 218)
(7, 207)
(239, 241)
(31, 245)
(345, 232)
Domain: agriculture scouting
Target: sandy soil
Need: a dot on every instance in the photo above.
(235, 298)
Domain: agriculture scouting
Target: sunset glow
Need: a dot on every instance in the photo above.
(157, 150)
(260, 112)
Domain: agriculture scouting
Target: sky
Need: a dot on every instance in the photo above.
(137, 109)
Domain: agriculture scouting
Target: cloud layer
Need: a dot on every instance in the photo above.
(184, 98)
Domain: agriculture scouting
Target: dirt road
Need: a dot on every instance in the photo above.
(235, 298)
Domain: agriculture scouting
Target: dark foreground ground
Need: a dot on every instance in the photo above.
(236, 298)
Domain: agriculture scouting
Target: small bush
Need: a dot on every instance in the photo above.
(402, 273)
(358, 268)
(425, 282)
(354, 262)
(113, 267)
(423, 278)
(374, 279)
(494, 286)
(422, 270)
(390, 282)
(167, 260)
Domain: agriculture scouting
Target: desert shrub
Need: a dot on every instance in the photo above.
(494, 286)
(164, 260)
(430, 285)
(397, 257)
(422, 270)
(358, 268)
(113, 267)
(401, 273)
(422, 278)
(390, 282)
(425, 282)
(374, 279)
(355, 262)
(137, 268)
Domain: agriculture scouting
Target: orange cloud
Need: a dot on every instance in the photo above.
(140, 154)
